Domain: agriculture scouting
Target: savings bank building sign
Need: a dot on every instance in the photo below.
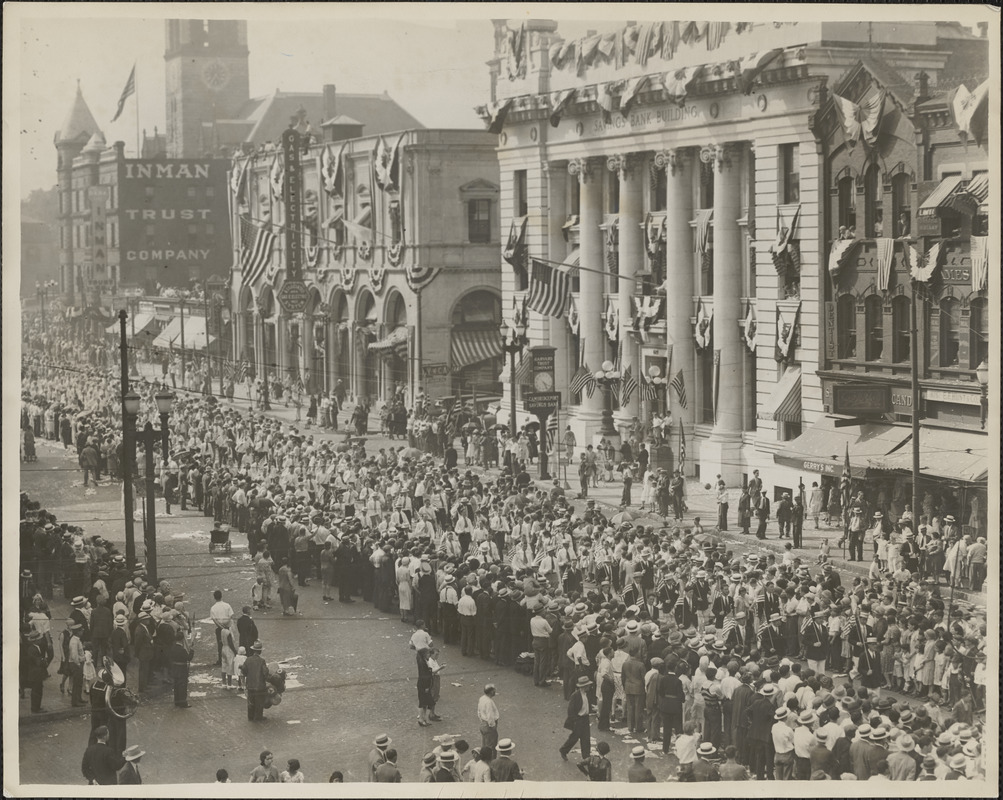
(173, 214)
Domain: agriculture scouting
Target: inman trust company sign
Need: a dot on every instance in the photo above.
(173, 214)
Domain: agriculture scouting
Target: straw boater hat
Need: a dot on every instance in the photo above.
(638, 752)
(133, 753)
(382, 741)
(505, 746)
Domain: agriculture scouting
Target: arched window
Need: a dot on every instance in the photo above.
(901, 338)
(901, 205)
(978, 326)
(874, 320)
(950, 340)
(846, 326)
(847, 203)
(872, 199)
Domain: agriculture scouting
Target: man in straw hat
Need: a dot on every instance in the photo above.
(504, 769)
(638, 772)
(129, 774)
(378, 755)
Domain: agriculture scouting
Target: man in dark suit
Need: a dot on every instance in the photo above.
(759, 716)
(638, 772)
(762, 515)
(129, 774)
(255, 680)
(100, 764)
(247, 630)
(387, 771)
(578, 720)
(670, 702)
(741, 699)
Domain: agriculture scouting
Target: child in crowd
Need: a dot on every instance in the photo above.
(686, 749)
(597, 767)
(238, 662)
(824, 552)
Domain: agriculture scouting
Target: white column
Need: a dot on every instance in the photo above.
(679, 293)
(722, 453)
(557, 249)
(630, 171)
(590, 303)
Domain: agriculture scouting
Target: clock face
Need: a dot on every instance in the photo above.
(215, 75)
(543, 382)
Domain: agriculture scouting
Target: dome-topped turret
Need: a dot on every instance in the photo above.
(79, 123)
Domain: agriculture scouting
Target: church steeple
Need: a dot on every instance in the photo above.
(79, 124)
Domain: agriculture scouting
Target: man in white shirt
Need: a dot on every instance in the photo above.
(487, 713)
(467, 611)
(783, 745)
(220, 613)
(804, 742)
(540, 630)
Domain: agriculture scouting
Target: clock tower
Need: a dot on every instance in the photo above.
(207, 80)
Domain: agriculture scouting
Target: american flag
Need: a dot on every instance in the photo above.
(627, 386)
(730, 624)
(762, 628)
(583, 381)
(256, 249)
(549, 289)
(524, 372)
(130, 89)
(806, 624)
(679, 385)
(649, 391)
(847, 627)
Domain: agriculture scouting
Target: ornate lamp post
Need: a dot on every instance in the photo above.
(982, 374)
(265, 405)
(659, 381)
(607, 379)
(149, 436)
(513, 342)
(183, 295)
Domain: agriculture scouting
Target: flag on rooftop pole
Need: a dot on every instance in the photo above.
(130, 89)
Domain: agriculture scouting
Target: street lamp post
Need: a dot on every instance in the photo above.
(265, 405)
(130, 408)
(149, 436)
(42, 291)
(659, 381)
(607, 380)
(982, 374)
(133, 303)
(513, 343)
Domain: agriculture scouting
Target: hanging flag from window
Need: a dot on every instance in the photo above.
(494, 114)
(702, 328)
(330, 169)
(885, 255)
(549, 289)
(130, 89)
(786, 331)
(612, 320)
(749, 328)
(256, 250)
(839, 255)
(515, 248)
(970, 110)
(679, 387)
(277, 177)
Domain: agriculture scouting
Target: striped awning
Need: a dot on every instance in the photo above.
(784, 403)
(473, 347)
(938, 197)
(573, 261)
(971, 198)
(395, 344)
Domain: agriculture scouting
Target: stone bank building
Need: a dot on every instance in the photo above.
(697, 179)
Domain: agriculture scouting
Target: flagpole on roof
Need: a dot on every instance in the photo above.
(135, 83)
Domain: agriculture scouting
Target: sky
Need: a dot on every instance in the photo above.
(434, 67)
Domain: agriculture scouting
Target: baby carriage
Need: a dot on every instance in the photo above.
(219, 538)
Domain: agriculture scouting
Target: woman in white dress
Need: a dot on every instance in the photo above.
(405, 596)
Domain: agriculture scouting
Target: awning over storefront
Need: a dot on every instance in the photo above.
(196, 337)
(473, 347)
(143, 320)
(939, 196)
(784, 404)
(956, 455)
(822, 448)
(167, 336)
(393, 344)
(971, 198)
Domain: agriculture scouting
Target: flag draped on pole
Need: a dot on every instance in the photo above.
(582, 381)
(549, 289)
(130, 89)
(679, 387)
(628, 384)
(682, 444)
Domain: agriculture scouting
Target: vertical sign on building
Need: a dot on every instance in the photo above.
(292, 199)
(99, 197)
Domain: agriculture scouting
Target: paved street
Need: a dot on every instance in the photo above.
(352, 675)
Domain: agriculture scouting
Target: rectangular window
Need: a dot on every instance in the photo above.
(191, 191)
(659, 189)
(706, 366)
(790, 178)
(521, 193)
(479, 221)
(575, 197)
(193, 235)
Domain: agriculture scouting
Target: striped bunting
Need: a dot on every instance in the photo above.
(549, 289)
(627, 386)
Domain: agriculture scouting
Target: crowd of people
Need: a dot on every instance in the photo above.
(759, 666)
